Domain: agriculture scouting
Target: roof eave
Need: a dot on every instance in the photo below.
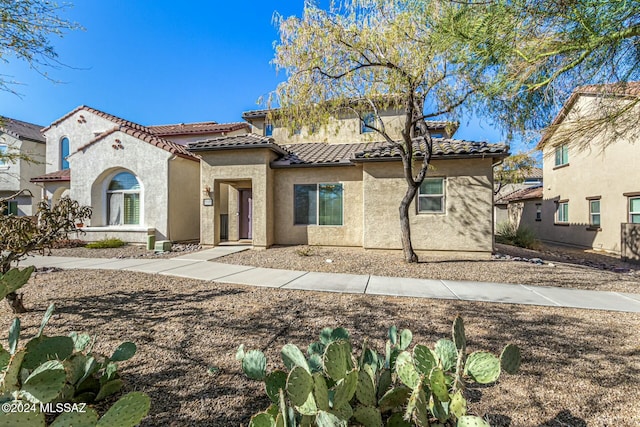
(273, 147)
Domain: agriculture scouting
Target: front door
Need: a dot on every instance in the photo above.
(245, 213)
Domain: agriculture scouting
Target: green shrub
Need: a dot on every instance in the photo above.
(334, 386)
(508, 234)
(63, 370)
(106, 243)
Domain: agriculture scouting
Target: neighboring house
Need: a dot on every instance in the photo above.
(340, 187)
(592, 183)
(139, 180)
(25, 138)
(531, 178)
(523, 208)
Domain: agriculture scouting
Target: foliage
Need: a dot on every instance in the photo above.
(106, 243)
(512, 170)
(367, 57)
(26, 27)
(64, 370)
(21, 235)
(334, 386)
(534, 53)
(522, 236)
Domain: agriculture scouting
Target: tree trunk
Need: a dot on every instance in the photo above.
(15, 302)
(405, 227)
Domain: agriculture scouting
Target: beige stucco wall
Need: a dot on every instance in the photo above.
(343, 130)
(466, 225)
(16, 176)
(523, 214)
(243, 168)
(591, 172)
(81, 127)
(349, 234)
(184, 199)
(94, 168)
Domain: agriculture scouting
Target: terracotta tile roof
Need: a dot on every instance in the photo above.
(21, 130)
(57, 176)
(172, 147)
(196, 128)
(612, 89)
(320, 153)
(523, 194)
(249, 140)
(115, 119)
(442, 148)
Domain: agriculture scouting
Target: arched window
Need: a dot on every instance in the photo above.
(64, 153)
(123, 200)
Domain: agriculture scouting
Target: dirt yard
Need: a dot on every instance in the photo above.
(579, 367)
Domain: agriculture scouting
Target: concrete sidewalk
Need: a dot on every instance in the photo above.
(201, 266)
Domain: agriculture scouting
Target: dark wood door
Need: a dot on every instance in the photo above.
(245, 211)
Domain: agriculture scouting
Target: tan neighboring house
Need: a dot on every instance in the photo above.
(342, 187)
(21, 137)
(139, 180)
(592, 184)
(531, 178)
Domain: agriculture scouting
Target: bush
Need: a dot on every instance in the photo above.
(334, 386)
(50, 372)
(522, 236)
(106, 243)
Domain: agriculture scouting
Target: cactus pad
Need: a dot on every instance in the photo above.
(424, 359)
(405, 339)
(14, 419)
(458, 405)
(470, 421)
(45, 383)
(394, 398)
(339, 334)
(109, 388)
(320, 392)
(438, 385)
(9, 378)
(396, 420)
(345, 389)
(510, 359)
(406, 370)
(262, 420)
(447, 354)
(368, 416)
(384, 382)
(273, 383)
(14, 279)
(393, 335)
(254, 365)
(125, 351)
(45, 318)
(365, 391)
(89, 418)
(126, 412)
(483, 367)
(327, 419)
(458, 334)
(42, 349)
(292, 357)
(299, 385)
(337, 359)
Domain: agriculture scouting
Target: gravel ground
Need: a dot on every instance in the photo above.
(126, 251)
(579, 367)
(568, 267)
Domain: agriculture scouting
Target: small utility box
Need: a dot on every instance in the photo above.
(163, 246)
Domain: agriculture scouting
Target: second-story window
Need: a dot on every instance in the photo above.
(562, 155)
(64, 153)
(368, 123)
(268, 129)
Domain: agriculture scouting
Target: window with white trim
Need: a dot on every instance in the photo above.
(431, 196)
(368, 123)
(634, 210)
(317, 204)
(594, 213)
(123, 200)
(562, 155)
(562, 212)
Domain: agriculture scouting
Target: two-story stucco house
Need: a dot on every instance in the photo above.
(25, 138)
(591, 191)
(341, 186)
(139, 180)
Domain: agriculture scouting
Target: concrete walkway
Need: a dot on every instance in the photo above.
(201, 265)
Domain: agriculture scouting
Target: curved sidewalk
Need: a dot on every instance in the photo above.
(200, 265)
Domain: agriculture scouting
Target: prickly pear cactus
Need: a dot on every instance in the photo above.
(483, 367)
(254, 365)
(510, 359)
(128, 411)
(14, 279)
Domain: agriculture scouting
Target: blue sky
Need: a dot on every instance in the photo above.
(159, 62)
